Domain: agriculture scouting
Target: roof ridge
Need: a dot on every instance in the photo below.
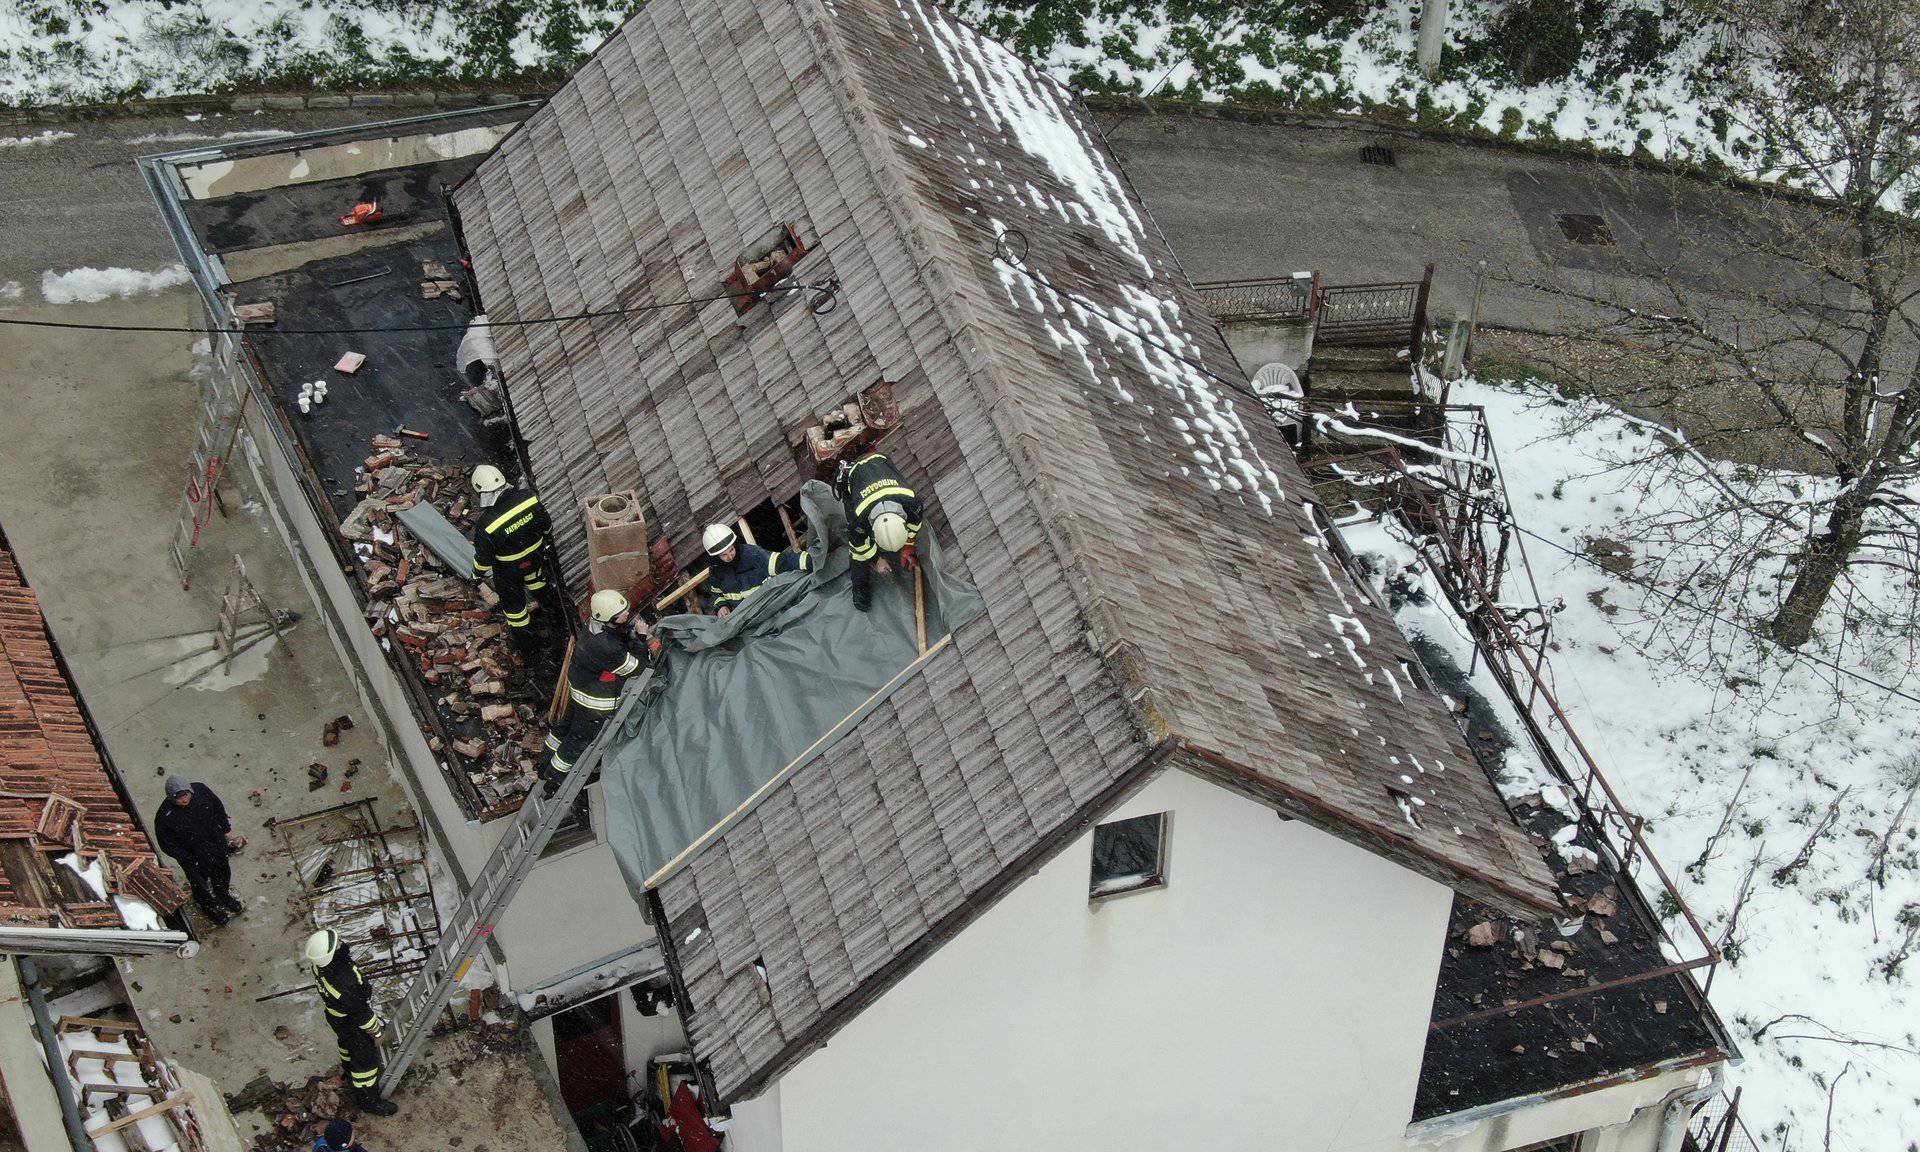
(1109, 641)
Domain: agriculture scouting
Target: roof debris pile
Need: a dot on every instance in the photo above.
(489, 716)
(296, 1113)
(130, 1097)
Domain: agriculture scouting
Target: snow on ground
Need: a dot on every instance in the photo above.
(1289, 53)
(91, 285)
(47, 137)
(1761, 735)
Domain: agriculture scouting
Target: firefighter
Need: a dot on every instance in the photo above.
(883, 519)
(510, 546)
(348, 1000)
(612, 649)
(736, 568)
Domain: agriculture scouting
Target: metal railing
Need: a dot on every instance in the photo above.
(1715, 1126)
(1365, 315)
(1454, 500)
(1273, 298)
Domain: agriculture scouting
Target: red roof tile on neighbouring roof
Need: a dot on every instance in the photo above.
(56, 793)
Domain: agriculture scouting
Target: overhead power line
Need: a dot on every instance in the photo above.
(828, 289)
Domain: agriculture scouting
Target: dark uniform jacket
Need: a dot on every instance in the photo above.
(513, 529)
(602, 661)
(872, 479)
(346, 995)
(729, 584)
(196, 835)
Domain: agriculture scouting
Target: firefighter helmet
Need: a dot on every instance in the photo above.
(321, 946)
(487, 478)
(607, 605)
(890, 528)
(718, 538)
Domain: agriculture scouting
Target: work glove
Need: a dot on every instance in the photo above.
(909, 558)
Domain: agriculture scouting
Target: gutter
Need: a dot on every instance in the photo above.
(56, 1067)
(94, 942)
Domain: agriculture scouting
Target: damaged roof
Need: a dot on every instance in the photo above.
(57, 795)
(1156, 589)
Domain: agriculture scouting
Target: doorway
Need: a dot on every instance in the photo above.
(589, 1057)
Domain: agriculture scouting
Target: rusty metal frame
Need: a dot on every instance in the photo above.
(1262, 298)
(1420, 502)
(359, 822)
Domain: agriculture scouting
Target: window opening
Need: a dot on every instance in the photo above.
(1129, 855)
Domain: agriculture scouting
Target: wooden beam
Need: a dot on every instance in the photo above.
(681, 592)
(95, 1024)
(167, 1105)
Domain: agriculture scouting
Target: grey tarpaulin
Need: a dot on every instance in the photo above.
(743, 697)
(440, 537)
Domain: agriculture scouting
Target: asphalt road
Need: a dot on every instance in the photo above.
(1235, 200)
(1240, 199)
(79, 202)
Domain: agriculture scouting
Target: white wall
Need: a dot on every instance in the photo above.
(1274, 995)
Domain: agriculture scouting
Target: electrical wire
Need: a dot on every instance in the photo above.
(829, 290)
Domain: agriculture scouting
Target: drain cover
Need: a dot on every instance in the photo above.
(1582, 228)
(1377, 154)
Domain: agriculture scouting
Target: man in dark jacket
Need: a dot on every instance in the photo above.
(735, 568)
(338, 1137)
(192, 827)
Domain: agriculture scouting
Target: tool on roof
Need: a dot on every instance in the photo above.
(479, 910)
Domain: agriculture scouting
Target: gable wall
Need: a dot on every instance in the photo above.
(1280, 983)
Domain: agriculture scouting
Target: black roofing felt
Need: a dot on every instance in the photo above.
(1504, 1057)
(295, 212)
(409, 378)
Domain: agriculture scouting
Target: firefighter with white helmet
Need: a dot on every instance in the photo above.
(883, 519)
(348, 1000)
(510, 547)
(736, 568)
(612, 648)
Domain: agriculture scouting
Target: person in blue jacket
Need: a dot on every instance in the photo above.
(735, 568)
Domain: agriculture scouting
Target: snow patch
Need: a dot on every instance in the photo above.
(48, 137)
(92, 285)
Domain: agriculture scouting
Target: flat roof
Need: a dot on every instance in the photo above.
(284, 243)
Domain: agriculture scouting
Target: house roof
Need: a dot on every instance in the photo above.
(57, 796)
(1156, 589)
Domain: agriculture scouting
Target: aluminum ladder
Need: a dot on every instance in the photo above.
(214, 435)
(479, 910)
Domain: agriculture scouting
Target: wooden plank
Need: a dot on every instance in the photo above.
(96, 1024)
(167, 1105)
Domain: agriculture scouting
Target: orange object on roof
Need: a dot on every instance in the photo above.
(367, 212)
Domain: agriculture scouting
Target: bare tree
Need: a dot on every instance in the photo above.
(1813, 329)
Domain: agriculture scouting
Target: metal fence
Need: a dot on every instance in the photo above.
(1373, 314)
(1715, 1126)
(1275, 298)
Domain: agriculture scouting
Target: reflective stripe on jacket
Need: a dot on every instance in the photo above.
(513, 529)
(729, 584)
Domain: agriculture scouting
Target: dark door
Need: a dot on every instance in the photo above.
(592, 1061)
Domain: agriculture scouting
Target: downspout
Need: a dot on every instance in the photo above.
(56, 1068)
(1673, 1126)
